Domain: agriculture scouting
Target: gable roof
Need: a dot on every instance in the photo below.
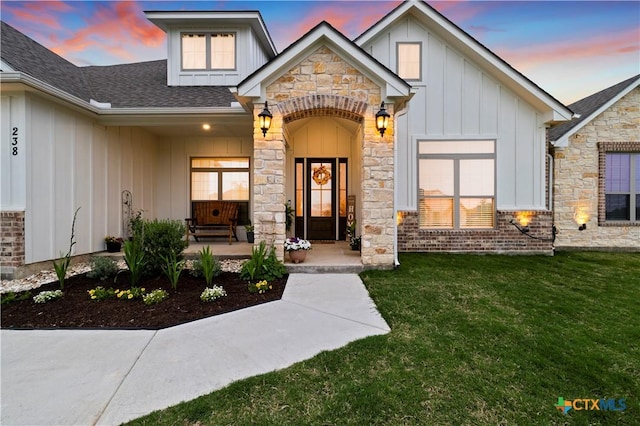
(139, 85)
(589, 108)
(323, 34)
(472, 48)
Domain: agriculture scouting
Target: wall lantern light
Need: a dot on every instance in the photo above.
(265, 119)
(581, 216)
(382, 119)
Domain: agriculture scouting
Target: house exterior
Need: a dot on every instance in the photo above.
(596, 180)
(463, 155)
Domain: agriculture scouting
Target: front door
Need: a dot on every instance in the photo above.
(321, 199)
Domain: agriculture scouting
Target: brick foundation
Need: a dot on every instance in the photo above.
(11, 242)
(505, 238)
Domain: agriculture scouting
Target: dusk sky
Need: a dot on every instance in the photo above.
(569, 48)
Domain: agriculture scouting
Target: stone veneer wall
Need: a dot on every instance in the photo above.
(578, 182)
(324, 84)
(11, 242)
(505, 238)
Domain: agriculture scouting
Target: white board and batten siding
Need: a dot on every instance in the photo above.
(74, 162)
(174, 162)
(249, 56)
(458, 100)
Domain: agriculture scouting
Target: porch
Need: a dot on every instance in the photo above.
(324, 257)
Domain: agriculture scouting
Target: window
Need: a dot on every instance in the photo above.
(201, 51)
(457, 184)
(622, 187)
(220, 179)
(409, 58)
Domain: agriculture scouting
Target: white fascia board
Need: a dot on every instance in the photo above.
(5, 67)
(471, 47)
(165, 20)
(255, 86)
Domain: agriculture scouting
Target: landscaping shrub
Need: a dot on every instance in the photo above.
(172, 269)
(135, 259)
(208, 266)
(102, 268)
(162, 239)
(262, 266)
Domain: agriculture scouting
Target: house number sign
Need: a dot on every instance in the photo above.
(14, 141)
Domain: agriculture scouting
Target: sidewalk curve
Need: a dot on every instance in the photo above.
(106, 377)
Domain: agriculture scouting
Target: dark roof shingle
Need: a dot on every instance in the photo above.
(587, 106)
(137, 85)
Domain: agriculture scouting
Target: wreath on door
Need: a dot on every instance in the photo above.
(321, 175)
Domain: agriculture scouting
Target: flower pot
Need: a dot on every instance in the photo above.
(298, 256)
(114, 246)
(250, 237)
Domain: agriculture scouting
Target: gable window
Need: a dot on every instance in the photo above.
(202, 51)
(456, 184)
(622, 187)
(220, 179)
(409, 59)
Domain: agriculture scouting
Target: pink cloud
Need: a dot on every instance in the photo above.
(600, 46)
(38, 13)
(114, 28)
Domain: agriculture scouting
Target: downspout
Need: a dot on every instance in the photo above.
(550, 201)
(400, 113)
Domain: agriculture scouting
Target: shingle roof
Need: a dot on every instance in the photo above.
(137, 85)
(587, 106)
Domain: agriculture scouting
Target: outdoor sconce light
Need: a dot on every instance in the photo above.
(265, 119)
(382, 119)
(581, 217)
(522, 225)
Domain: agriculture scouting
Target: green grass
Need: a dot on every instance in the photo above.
(475, 340)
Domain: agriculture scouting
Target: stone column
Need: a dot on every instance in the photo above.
(378, 220)
(269, 161)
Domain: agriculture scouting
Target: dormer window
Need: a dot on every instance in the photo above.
(208, 51)
(409, 60)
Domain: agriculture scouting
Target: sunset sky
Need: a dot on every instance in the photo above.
(569, 48)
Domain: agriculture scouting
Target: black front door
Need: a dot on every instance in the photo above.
(321, 199)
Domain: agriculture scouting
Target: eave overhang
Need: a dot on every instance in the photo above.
(553, 110)
(253, 88)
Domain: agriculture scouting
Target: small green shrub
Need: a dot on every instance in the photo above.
(14, 297)
(212, 293)
(172, 269)
(162, 238)
(46, 296)
(61, 266)
(209, 265)
(262, 266)
(260, 287)
(134, 257)
(101, 293)
(155, 296)
(102, 268)
(132, 294)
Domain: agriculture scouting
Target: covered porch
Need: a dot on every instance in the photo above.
(325, 257)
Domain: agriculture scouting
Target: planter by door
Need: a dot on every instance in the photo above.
(298, 256)
(250, 237)
(114, 247)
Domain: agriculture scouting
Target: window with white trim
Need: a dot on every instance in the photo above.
(456, 184)
(220, 179)
(208, 51)
(409, 59)
(622, 187)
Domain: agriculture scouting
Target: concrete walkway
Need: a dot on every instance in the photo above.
(87, 377)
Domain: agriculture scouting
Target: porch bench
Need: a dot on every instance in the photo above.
(212, 219)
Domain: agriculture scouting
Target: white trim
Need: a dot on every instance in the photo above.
(563, 141)
(470, 47)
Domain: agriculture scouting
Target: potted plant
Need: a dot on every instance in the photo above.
(297, 249)
(250, 234)
(354, 242)
(114, 244)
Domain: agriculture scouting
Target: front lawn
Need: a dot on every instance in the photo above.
(474, 340)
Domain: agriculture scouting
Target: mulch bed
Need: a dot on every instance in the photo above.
(76, 310)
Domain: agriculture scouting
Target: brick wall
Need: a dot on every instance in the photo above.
(11, 242)
(505, 238)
